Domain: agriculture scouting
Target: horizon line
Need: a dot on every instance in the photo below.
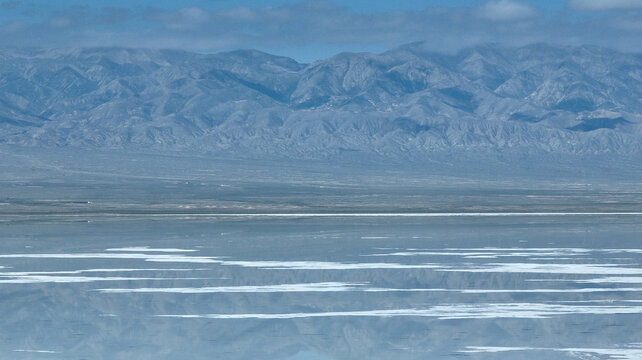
(497, 45)
(325, 215)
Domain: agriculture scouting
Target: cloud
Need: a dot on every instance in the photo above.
(599, 5)
(82, 16)
(323, 28)
(9, 5)
(312, 30)
(182, 19)
(61, 21)
(506, 10)
(627, 22)
(308, 23)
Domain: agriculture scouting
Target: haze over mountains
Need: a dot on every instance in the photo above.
(406, 102)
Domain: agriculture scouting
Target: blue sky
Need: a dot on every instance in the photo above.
(310, 30)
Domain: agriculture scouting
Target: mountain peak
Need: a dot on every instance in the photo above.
(404, 102)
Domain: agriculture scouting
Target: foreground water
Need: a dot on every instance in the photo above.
(318, 288)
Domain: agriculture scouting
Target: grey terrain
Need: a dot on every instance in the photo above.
(405, 103)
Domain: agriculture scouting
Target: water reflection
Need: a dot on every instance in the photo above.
(322, 289)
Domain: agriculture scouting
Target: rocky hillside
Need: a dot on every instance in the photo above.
(404, 102)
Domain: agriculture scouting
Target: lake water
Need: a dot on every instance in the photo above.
(320, 288)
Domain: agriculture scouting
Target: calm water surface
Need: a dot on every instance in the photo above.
(562, 287)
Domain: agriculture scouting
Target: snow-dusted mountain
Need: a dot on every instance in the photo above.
(404, 102)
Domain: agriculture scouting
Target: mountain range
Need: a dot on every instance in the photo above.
(406, 102)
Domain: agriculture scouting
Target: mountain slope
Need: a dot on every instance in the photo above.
(406, 102)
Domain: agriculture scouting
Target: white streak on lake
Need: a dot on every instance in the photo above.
(149, 249)
(508, 252)
(120, 256)
(613, 279)
(581, 353)
(347, 287)
(80, 279)
(574, 269)
(295, 265)
(444, 312)
(325, 265)
(36, 351)
(282, 288)
(562, 291)
(71, 272)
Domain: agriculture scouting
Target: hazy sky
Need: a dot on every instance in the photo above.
(310, 30)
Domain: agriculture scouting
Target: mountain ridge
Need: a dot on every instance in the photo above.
(403, 102)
